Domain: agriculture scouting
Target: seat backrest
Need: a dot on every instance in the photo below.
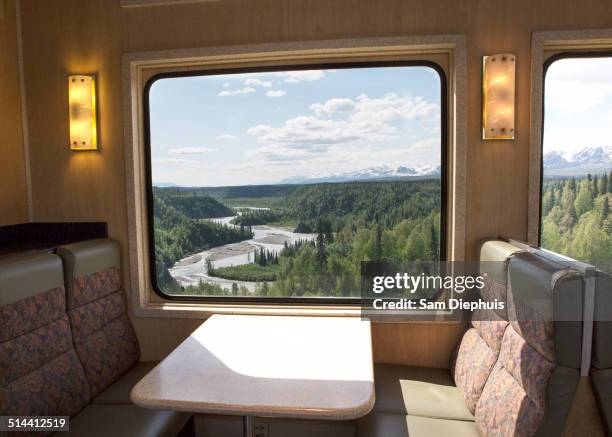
(601, 371)
(40, 373)
(103, 335)
(531, 388)
(477, 350)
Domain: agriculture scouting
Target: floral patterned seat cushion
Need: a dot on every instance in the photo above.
(513, 400)
(475, 356)
(89, 288)
(103, 335)
(40, 373)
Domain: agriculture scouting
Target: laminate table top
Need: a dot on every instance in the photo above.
(273, 366)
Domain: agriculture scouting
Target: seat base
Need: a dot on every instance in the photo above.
(418, 391)
(399, 425)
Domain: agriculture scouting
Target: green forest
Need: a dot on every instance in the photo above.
(576, 219)
(396, 220)
(178, 235)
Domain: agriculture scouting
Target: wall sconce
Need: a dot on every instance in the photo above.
(498, 90)
(82, 112)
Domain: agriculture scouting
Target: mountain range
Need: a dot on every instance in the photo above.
(556, 163)
(370, 173)
(583, 161)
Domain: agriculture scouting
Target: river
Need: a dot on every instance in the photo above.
(192, 270)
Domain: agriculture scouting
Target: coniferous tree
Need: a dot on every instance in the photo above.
(378, 244)
(584, 198)
(433, 243)
(605, 208)
(321, 252)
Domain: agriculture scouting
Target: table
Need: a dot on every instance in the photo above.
(268, 366)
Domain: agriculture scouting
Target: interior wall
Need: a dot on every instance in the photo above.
(75, 36)
(13, 195)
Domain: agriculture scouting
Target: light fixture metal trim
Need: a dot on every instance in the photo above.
(498, 96)
(83, 112)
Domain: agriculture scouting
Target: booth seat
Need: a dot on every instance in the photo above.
(513, 373)
(67, 346)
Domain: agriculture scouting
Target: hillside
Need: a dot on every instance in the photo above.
(362, 204)
(177, 235)
(192, 204)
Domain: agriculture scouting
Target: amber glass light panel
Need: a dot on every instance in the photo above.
(498, 97)
(82, 112)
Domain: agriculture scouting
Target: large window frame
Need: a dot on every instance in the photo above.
(139, 67)
(282, 68)
(589, 54)
(545, 47)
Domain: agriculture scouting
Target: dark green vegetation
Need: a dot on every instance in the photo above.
(192, 204)
(576, 219)
(247, 272)
(178, 235)
(256, 217)
(361, 221)
(264, 268)
(363, 204)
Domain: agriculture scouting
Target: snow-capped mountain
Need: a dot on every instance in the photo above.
(370, 173)
(585, 160)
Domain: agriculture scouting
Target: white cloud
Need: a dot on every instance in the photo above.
(302, 76)
(245, 90)
(392, 106)
(175, 161)
(332, 106)
(191, 150)
(578, 85)
(226, 137)
(227, 84)
(578, 104)
(275, 93)
(258, 82)
(344, 122)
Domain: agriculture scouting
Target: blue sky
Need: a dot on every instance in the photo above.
(259, 128)
(578, 104)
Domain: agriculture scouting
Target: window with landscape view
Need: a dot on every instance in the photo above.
(577, 159)
(278, 184)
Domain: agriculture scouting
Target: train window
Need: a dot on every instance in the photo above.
(274, 184)
(576, 192)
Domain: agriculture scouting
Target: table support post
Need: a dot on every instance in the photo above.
(248, 426)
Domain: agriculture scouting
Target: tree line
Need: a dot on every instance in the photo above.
(576, 218)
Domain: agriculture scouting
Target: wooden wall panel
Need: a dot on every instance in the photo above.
(424, 344)
(13, 191)
(66, 36)
(157, 337)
